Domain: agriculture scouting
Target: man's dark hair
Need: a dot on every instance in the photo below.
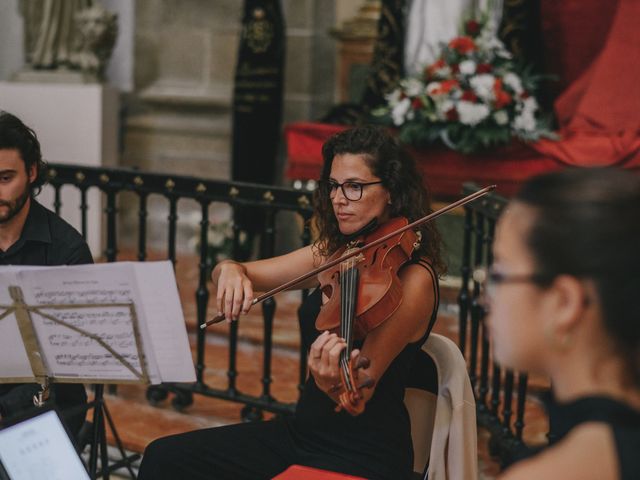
(15, 135)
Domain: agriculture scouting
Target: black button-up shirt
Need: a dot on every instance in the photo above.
(46, 240)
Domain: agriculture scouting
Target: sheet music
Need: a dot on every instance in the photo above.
(104, 345)
(69, 354)
(161, 308)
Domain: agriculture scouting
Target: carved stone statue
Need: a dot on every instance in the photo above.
(66, 40)
(97, 30)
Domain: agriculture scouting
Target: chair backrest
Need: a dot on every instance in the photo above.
(443, 424)
(420, 398)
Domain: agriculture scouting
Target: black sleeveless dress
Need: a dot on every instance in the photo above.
(378, 441)
(623, 420)
(374, 445)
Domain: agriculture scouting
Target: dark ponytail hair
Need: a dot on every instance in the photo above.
(587, 225)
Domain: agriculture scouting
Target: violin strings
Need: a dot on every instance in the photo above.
(349, 281)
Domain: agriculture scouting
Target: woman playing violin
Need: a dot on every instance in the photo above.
(366, 181)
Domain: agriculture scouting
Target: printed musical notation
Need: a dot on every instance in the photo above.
(92, 296)
(111, 322)
(94, 341)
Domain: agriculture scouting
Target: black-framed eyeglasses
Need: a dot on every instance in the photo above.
(489, 279)
(351, 190)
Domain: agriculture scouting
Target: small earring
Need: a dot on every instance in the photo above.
(558, 342)
(564, 342)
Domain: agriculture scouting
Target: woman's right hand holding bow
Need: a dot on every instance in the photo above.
(234, 289)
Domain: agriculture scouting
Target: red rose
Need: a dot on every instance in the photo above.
(447, 85)
(431, 69)
(502, 98)
(462, 44)
(472, 28)
(484, 68)
(416, 103)
(452, 115)
(469, 96)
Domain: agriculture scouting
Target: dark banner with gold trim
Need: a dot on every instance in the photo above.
(257, 98)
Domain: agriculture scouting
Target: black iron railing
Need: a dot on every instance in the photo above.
(113, 182)
(494, 387)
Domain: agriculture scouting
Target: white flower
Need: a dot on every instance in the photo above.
(483, 86)
(472, 113)
(215, 238)
(413, 87)
(525, 121)
(432, 87)
(513, 81)
(394, 97)
(501, 117)
(530, 105)
(467, 67)
(443, 108)
(399, 111)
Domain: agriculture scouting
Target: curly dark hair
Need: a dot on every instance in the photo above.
(15, 135)
(400, 176)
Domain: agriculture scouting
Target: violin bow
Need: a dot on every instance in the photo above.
(357, 251)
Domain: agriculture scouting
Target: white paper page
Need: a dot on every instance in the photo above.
(69, 354)
(14, 362)
(165, 321)
(40, 448)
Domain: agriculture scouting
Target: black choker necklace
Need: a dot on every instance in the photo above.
(364, 230)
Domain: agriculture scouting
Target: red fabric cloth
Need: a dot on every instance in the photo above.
(444, 170)
(298, 472)
(598, 112)
(573, 33)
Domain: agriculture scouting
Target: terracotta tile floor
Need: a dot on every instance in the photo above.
(138, 423)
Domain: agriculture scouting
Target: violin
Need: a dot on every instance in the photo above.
(362, 292)
(379, 272)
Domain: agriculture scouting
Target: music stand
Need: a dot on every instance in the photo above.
(23, 314)
(111, 323)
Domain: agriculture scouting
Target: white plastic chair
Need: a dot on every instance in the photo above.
(443, 427)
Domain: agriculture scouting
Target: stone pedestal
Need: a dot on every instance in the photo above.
(76, 124)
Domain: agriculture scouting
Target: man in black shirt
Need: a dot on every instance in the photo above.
(32, 235)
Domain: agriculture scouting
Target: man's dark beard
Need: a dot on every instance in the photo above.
(14, 207)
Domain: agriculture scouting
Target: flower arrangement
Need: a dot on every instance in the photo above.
(474, 96)
(220, 240)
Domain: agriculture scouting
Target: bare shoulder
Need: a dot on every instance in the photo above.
(416, 278)
(588, 452)
(418, 286)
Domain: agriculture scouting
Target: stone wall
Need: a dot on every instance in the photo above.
(185, 53)
(179, 117)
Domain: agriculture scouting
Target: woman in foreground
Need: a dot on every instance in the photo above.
(563, 297)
